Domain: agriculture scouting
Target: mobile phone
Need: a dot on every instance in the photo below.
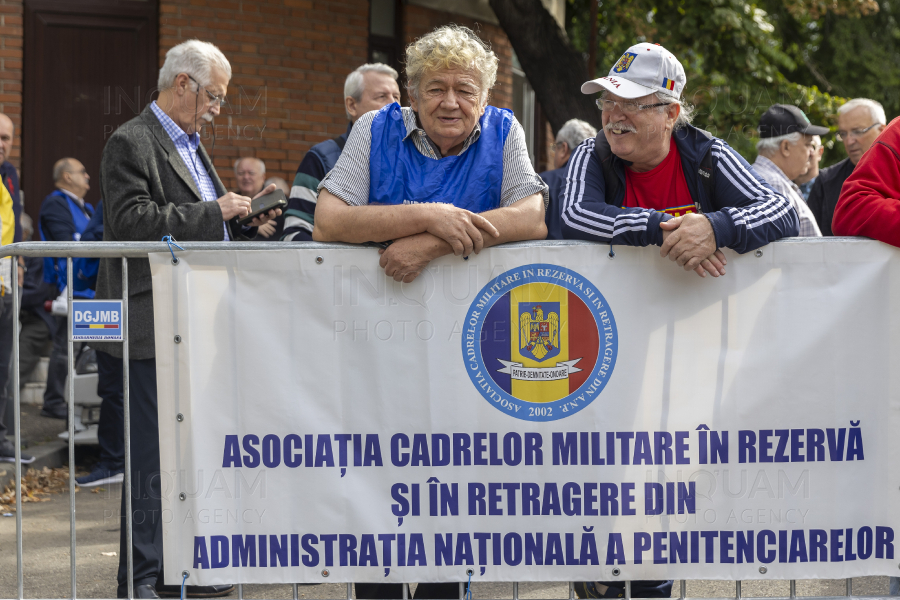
(264, 204)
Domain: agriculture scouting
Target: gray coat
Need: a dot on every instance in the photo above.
(148, 193)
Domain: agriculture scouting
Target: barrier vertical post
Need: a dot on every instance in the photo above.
(515, 590)
(71, 399)
(627, 590)
(405, 591)
(793, 588)
(349, 591)
(240, 592)
(17, 418)
(683, 590)
(462, 591)
(126, 405)
(296, 592)
(737, 590)
(849, 587)
(571, 590)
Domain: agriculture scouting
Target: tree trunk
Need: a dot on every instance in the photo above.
(592, 43)
(552, 65)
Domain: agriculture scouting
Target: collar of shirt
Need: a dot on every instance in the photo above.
(186, 146)
(78, 201)
(423, 142)
(176, 133)
(766, 166)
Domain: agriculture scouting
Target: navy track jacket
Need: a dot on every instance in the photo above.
(744, 211)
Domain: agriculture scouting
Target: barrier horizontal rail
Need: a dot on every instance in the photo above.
(142, 249)
(128, 250)
(736, 597)
(515, 595)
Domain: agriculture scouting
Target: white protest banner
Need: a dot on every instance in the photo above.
(540, 412)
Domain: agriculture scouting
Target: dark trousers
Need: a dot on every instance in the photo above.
(33, 340)
(145, 481)
(58, 369)
(392, 591)
(111, 429)
(6, 331)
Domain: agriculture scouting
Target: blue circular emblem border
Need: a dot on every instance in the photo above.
(564, 407)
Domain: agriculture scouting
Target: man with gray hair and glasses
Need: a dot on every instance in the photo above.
(369, 87)
(156, 180)
(805, 182)
(859, 121)
(786, 146)
(650, 177)
(570, 135)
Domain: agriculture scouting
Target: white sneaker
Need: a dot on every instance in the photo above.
(101, 476)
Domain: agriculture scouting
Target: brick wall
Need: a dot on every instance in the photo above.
(11, 69)
(289, 60)
(417, 21)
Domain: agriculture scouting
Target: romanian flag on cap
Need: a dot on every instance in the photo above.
(668, 84)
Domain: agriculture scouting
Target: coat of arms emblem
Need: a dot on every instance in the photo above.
(539, 330)
(624, 62)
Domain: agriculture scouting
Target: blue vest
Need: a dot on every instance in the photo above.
(400, 174)
(328, 152)
(55, 268)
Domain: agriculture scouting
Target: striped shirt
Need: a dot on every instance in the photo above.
(776, 178)
(349, 180)
(187, 146)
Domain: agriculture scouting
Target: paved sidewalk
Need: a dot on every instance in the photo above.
(46, 568)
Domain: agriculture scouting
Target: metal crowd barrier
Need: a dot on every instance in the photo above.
(126, 250)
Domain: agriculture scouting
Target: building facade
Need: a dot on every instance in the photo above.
(71, 71)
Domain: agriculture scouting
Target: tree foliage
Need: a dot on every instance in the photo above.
(552, 64)
(741, 57)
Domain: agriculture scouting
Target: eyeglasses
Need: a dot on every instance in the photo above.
(220, 100)
(844, 135)
(626, 107)
(557, 146)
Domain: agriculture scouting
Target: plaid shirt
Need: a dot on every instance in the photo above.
(187, 148)
(779, 182)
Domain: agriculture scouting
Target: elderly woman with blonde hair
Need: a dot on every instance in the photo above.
(448, 174)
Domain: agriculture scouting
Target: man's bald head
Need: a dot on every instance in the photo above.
(250, 172)
(59, 168)
(69, 174)
(7, 129)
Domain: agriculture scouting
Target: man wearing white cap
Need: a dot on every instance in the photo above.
(632, 185)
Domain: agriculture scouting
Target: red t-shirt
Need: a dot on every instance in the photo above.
(662, 188)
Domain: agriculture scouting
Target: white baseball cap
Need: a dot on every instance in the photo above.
(642, 70)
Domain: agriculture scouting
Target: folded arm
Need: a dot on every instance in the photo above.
(337, 221)
(585, 215)
(524, 220)
(750, 213)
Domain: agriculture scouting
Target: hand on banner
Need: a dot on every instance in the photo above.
(712, 264)
(462, 229)
(690, 241)
(407, 257)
